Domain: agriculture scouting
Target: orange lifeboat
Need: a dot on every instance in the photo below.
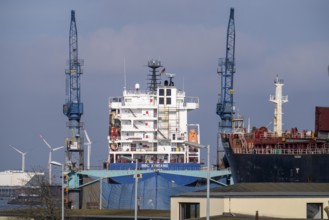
(114, 147)
(193, 136)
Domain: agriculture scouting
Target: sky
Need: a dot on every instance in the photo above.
(285, 38)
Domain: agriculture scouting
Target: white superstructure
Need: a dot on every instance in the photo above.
(278, 99)
(152, 126)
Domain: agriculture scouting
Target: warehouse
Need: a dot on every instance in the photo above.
(281, 200)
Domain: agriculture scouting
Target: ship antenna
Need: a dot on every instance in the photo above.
(154, 76)
(124, 74)
(248, 129)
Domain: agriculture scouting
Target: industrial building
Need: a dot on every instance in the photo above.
(12, 180)
(280, 200)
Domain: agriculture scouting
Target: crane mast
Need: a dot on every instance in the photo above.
(73, 109)
(226, 70)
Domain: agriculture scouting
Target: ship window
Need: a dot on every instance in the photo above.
(161, 92)
(189, 210)
(168, 101)
(161, 101)
(168, 92)
(314, 211)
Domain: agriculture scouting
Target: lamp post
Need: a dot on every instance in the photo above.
(59, 164)
(136, 183)
(208, 173)
(100, 193)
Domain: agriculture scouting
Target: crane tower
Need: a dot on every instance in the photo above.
(73, 109)
(226, 70)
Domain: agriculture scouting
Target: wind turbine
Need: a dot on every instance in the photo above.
(23, 157)
(88, 149)
(50, 153)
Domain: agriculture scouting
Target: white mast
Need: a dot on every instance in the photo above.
(23, 157)
(50, 155)
(248, 129)
(278, 100)
(124, 74)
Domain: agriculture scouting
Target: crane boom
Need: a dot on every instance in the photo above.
(225, 108)
(225, 103)
(73, 108)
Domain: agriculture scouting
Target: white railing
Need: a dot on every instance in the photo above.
(281, 151)
(191, 100)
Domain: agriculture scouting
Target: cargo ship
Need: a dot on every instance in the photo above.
(261, 155)
(149, 131)
(151, 126)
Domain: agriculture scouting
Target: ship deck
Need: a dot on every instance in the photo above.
(102, 174)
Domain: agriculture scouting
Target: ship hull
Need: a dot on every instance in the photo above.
(277, 167)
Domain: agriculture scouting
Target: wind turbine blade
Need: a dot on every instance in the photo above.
(17, 150)
(45, 142)
(57, 148)
(89, 142)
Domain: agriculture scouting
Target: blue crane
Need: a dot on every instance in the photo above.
(226, 70)
(73, 109)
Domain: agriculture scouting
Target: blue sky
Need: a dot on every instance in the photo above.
(288, 38)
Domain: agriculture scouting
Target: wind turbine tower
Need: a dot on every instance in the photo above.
(88, 149)
(50, 156)
(23, 157)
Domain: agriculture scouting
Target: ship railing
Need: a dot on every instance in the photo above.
(180, 92)
(144, 148)
(287, 135)
(191, 100)
(262, 136)
(115, 99)
(304, 151)
(138, 91)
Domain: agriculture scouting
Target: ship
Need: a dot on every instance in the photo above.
(151, 126)
(261, 155)
(150, 133)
